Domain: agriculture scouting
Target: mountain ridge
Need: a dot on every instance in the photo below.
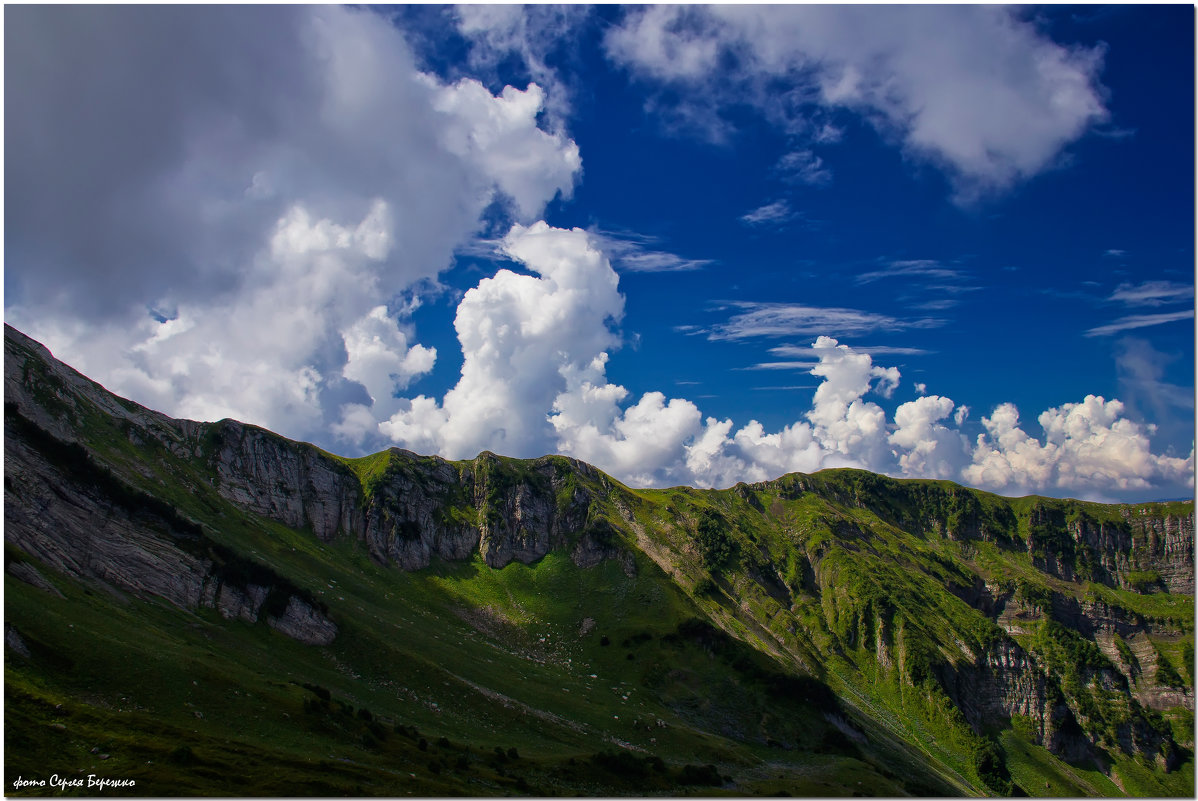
(968, 627)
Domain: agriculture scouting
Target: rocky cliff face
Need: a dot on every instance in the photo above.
(1143, 550)
(1167, 547)
(77, 518)
(418, 508)
(1005, 682)
(294, 484)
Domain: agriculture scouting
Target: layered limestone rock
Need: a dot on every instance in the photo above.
(1145, 550)
(420, 510)
(74, 516)
(69, 512)
(57, 398)
(29, 574)
(424, 508)
(292, 483)
(301, 621)
(74, 527)
(1168, 547)
(1005, 682)
(524, 520)
(417, 509)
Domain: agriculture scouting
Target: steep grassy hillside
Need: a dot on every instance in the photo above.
(213, 609)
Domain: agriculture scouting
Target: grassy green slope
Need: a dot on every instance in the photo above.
(560, 663)
(853, 576)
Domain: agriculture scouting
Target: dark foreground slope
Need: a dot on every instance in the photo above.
(213, 609)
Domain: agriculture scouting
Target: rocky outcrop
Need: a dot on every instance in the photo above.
(1006, 681)
(1166, 545)
(23, 571)
(418, 509)
(1145, 550)
(523, 517)
(241, 602)
(301, 621)
(72, 521)
(14, 643)
(292, 483)
(74, 516)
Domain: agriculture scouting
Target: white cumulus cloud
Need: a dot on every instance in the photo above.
(977, 90)
(521, 335)
(1088, 446)
(929, 449)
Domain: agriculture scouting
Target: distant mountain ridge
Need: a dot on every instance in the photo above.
(993, 644)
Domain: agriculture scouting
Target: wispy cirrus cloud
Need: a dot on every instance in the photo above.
(907, 268)
(872, 350)
(793, 319)
(1133, 321)
(804, 167)
(1147, 293)
(931, 285)
(635, 253)
(1152, 293)
(778, 212)
(785, 388)
(799, 365)
(939, 304)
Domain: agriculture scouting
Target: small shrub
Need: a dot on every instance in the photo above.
(1166, 674)
(423, 744)
(320, 692)
(716, 545)
(990, 764)
(705, 775)
(1144, 581)
(182, 755)
(1034, 595)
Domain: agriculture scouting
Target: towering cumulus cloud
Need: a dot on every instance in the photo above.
(521, 336)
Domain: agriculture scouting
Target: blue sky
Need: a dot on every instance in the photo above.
(688, 244)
